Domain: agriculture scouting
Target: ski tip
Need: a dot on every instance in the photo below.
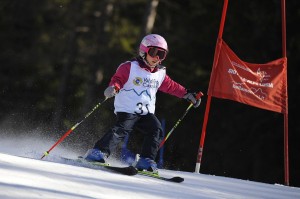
(177, 179)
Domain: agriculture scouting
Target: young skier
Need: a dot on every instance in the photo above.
(134, 86)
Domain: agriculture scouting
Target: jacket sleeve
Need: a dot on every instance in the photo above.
(171, 87)
(121, 76)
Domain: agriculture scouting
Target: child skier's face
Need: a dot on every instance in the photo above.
(153, 61)
(155, 56)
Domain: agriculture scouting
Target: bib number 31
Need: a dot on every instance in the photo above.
(142, 109)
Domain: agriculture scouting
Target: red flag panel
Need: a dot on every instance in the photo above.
(260, 85)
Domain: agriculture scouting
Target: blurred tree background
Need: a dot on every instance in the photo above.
(58, 56)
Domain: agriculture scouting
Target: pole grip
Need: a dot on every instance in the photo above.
(199, 95)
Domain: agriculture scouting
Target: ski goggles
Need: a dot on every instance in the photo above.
(153, 52)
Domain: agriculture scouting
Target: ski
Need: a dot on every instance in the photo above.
(127, 170)
(176, 179)
(156, 175)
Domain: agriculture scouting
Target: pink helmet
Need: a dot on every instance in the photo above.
(152, 40)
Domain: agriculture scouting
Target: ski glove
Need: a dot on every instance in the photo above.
(193, 98)
(110, 91)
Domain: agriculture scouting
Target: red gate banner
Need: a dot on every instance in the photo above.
(260, 85)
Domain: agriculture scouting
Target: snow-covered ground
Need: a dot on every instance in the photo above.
(30, 178)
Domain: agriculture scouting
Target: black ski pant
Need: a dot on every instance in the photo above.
(126, 122)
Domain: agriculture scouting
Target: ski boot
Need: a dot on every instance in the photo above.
(95, 155)
(146, 164)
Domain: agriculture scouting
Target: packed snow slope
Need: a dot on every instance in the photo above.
(28, 177)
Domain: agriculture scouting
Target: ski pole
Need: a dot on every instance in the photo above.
(200, 94)
(74, 127)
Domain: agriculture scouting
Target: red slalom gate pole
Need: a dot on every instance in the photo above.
(72, 129)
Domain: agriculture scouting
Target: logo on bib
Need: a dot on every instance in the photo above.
(137, 81)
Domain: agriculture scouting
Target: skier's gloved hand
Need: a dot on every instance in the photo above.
(194, 98)
(110, 91)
